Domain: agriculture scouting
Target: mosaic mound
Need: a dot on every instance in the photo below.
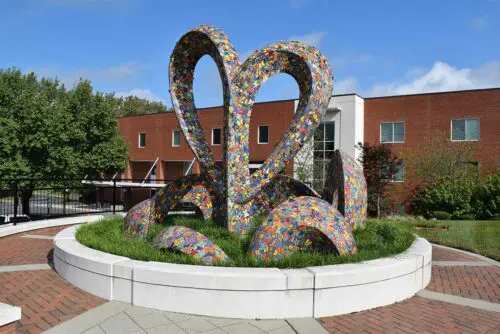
(188, 241)
(294, 226)
(297, 218)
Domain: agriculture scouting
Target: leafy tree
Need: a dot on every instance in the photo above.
(132, 105)
(379, 167)
(438, 158)
(49, 132)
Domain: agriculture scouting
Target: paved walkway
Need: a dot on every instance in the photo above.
(463, 296)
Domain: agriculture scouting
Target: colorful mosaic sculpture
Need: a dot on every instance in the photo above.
(241, 84)
(345, 188)
(230, 195)
(190, 242)
(294, 225)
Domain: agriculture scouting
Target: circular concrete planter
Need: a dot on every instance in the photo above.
(251, 293)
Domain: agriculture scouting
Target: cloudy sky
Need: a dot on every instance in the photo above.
(375, 47)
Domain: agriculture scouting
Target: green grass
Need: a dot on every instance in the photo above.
(478, 236)
(378, 239)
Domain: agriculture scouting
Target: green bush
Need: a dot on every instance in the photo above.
(486, 197)
(441, 215)
(448, 195)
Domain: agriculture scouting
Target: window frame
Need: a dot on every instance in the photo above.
(220, 137)
(258, 134)
(465, 129)
(392, 142)
(173, 137)
(324, 161)
(139, 140)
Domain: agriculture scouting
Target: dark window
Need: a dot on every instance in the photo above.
(263, 134)
(324, 146)
(465, 129)
(392, 132)
(176, 138)
(142, 140)
(395, 172)
(216, 136)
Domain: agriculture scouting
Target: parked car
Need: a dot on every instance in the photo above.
(9, 219)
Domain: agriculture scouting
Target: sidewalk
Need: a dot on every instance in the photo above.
(463, 296)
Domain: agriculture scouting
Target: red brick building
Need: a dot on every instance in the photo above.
(403, 121)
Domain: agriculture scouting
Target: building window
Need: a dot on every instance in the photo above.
(142, 140)
(324, 146)
(216, 136)
(263, 134)
(392, 132)
(394, 172)
(187, 167)
(464, 129)
(176, 138)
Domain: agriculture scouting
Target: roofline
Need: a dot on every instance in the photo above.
(434, 93)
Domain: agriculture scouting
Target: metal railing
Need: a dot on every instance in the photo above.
(34, 199)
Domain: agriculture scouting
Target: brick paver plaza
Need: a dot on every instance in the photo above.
(469, 284)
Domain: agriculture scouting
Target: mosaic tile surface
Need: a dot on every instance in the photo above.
(297, 225)
(232, 196)
(241, 84)
(345, 188)
(190, 242)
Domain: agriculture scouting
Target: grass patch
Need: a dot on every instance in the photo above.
(378, 239)
(478, 236)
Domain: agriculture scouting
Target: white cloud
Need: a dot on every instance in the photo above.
(313, 38)
(113, 74)
(479, 22)
(347, 85)
(442, 77)
(140, 93)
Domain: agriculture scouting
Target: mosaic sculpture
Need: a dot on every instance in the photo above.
(231, 196)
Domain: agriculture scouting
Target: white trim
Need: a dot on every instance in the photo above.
(266, 293)
(393, 142)
(213, 136)
(174, 131)
(139, 140)
(258, 134)
(465, 130)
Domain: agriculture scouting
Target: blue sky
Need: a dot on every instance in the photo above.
(375, 47)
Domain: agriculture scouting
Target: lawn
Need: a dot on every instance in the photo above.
(478, 236)
(378, 239)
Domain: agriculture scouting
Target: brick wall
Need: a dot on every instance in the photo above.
(425, 115)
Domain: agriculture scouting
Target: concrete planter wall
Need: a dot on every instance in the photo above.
(252, 293)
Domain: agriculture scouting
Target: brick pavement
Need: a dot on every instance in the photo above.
(442, 254)
(416, 315)
(27, 251)
(470, 282)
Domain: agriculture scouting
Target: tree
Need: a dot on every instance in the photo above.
(437, 158)
(132, 105)
(49, 132)
(379, 167)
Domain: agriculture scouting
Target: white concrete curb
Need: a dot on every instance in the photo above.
(9, 314)
(36, 225)
(250, 293)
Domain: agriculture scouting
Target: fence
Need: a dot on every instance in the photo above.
(34, 199)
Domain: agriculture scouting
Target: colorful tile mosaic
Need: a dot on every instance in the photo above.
(188, 241)
(297, 225)
(241, 84)
(191, 188)
(345, 188)
(297, 219)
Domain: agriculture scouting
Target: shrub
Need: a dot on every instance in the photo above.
(441, 215)
(449, 195)
(486, 197)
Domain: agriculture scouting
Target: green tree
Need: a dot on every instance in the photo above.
(132, 105)
(49, 132)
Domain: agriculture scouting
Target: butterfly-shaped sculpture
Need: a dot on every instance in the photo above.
(231, 195)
